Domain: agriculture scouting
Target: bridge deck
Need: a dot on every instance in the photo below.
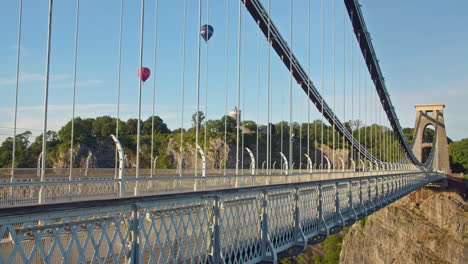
(239, 225)
(58, 189)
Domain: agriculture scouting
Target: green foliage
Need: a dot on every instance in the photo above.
(332, 249)
(132, 126)
(159, 126)
(428, 135)
(91, 131)
(363, 222)
(409, 134)
(103, 126)
(201, 118)
(82, 129)
(251, 125)
(459, 155)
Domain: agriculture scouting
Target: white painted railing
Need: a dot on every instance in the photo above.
(245, 225)
(59, 189)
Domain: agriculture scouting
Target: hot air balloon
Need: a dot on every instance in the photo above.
(144, 73)
(206, 31)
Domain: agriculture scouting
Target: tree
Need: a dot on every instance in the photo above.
(82, 130)
(355, 124)
(459, 155)
(103, 126)
(231, 123)
(428, 135)
(159, 126)
(215, 125)
(201, 118)
(409, 134)
(132, 126)
(250, 125)
(179, 130)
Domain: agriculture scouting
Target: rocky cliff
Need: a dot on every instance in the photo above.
(428, 226)
(102, 153)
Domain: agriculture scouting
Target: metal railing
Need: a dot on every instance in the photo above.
(96, 185)
(244, 225)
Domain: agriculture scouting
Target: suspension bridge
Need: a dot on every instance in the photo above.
(229, 193)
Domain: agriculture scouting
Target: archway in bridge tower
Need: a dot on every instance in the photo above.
(427, 141)
(430, 130)
(428, 134)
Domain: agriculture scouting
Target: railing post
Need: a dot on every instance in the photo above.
(369, 195)
(320, 209)
(397, 186)
(377, 186)
(389, 190)
(265, 237)
(383, 190)
(135, 235)
(216, 243)
(351, 205)
(337, 203)
(121, 167)
(360, 196)
(298, 233)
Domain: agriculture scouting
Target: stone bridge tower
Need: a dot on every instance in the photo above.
(432, 114)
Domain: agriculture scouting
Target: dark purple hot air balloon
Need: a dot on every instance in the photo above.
(144, 73)
(206, 31)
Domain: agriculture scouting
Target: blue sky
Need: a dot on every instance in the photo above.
(421, 46)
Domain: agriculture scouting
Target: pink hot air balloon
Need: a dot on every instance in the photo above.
(144, 73)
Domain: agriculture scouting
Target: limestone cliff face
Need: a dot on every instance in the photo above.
(425, 227)
(215, 155)
(103, 154)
